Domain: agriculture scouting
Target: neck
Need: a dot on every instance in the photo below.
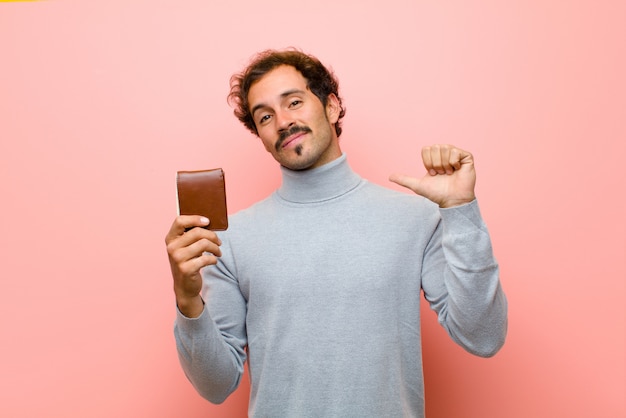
(318, 184)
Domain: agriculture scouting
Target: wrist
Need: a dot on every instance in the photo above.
(457, 202)
(191, 307)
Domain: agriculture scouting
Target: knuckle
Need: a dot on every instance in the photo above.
(209, 259)
(177, 257)
(188, 270)
(178, 222)
(170, 246)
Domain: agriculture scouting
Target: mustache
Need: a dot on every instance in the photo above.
(283, 135)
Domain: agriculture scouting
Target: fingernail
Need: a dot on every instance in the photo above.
(204, 220)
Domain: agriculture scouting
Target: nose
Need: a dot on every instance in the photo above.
(283, 120)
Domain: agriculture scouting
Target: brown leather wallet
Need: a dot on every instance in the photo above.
(203, 193)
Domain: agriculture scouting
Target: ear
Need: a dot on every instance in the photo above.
(333, 108)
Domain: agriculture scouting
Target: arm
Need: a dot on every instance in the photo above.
(212, 356)
(460, 276)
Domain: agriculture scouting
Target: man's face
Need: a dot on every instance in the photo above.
(292, 122)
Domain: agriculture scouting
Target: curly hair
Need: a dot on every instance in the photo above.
(321, 81)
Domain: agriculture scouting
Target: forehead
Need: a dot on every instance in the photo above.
(274, 84)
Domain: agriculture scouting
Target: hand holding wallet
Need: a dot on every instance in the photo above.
(203, 193)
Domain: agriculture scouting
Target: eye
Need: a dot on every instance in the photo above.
(264, 118)
(295, 103)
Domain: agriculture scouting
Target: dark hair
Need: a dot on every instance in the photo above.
(320, 81)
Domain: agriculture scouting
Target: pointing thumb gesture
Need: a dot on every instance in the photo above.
(450, 177)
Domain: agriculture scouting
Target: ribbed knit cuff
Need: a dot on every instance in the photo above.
(463, 218)
(192, 325)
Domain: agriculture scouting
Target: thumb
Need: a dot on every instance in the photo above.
(406, 181)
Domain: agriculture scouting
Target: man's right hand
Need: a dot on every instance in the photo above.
(188, 253)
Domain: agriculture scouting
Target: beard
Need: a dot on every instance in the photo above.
(307, 154)
(288, 132)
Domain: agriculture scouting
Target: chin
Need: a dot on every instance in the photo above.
(297, 167)
(298, 164)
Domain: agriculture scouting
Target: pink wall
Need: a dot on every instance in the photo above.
(101, 102)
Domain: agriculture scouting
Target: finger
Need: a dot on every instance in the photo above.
(192, 267)
(193, 244)
(456, 155)
(206, 244)
(460, 158)
(184, 222)
(189, 259)
(406, 181)
(444, 152)
(428, 161)
(197, 234)
(436, 158)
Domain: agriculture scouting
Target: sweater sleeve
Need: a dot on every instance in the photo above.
(461, 282)
(211, 348)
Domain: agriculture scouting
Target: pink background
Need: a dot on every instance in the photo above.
(101, 102)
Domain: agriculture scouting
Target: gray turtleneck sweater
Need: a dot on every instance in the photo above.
(319, 285)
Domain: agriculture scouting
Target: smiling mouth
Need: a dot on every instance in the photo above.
(291, 139)
(290, 135)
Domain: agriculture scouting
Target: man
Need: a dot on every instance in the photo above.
(319, 284)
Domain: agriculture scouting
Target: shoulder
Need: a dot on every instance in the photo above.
(381, 193)
(403, 208)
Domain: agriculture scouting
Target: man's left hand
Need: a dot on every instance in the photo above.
(450, 177)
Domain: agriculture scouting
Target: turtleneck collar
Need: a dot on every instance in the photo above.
(318, 184)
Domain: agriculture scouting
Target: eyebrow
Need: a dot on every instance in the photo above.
(282, 96)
